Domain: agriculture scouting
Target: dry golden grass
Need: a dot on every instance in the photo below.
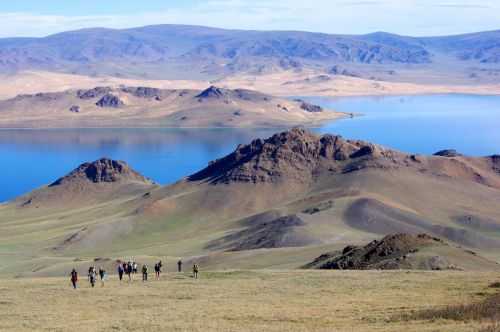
(486, 309)
(245, 301)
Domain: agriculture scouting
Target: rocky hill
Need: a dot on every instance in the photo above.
(293, 155)
(276, 202)
(399, 251)
(98, 181)
(301, 156)
(101, 171)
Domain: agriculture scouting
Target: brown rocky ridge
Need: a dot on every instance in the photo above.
(396, 251)
(299, 155)
(101, 171)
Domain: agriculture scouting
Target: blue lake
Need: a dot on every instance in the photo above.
(416, 124)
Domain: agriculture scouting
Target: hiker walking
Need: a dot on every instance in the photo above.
(92, 276)
(144, 273)
(195, 271)
(157, 271)
(179, 266)
(89, 272)
(74, 278)
(129, 271)
(134, 267)
(120, 272)
(102, 275)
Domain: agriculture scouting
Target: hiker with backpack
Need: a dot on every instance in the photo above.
(157, 270)
(74, 278)
(129, 271)
(120, 272)
(195, 271)
(92, 276)
(144, 273)
(102, 275)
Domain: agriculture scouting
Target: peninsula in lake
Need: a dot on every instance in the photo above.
(151, 107)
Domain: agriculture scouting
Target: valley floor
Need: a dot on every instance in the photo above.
(245, 301)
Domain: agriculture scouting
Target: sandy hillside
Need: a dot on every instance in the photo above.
(279, 202)
(279, 83)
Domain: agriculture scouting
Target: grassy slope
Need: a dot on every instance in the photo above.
(244, 301)
(180, 221)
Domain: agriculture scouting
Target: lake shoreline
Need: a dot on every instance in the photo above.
(413, 124)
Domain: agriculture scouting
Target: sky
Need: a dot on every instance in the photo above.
(35, 18)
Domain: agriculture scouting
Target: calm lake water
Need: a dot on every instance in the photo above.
(416, 124)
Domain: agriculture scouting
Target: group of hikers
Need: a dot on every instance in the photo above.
(125, 268)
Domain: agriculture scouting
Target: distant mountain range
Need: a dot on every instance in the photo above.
(169, 51)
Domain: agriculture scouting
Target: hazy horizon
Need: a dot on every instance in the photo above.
(238, 29)
(30, 18)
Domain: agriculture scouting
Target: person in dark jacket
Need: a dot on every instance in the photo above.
(144, 273)
(120, 272)
(179, 266)
(102, 275)
(92, 276)
(195, 271)
(129, 271)
(74, 278)
(157, 271)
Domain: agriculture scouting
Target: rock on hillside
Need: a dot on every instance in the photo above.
(109, 100)
(93, 93)
(212, 92)
(102, 171)
(448, 153)
(144, 92)
(399, 251)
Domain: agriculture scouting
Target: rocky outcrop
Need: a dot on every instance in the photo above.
(93, 93)
(309, 107)
(212, 92)
(495, 161)
(110, 101)
(102, 171)
(294, 155)
(74, 109)
(337, 70)
(143, 92)
(392, 252)
(450, 153)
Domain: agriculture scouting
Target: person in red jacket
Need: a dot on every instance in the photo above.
(74, 278)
